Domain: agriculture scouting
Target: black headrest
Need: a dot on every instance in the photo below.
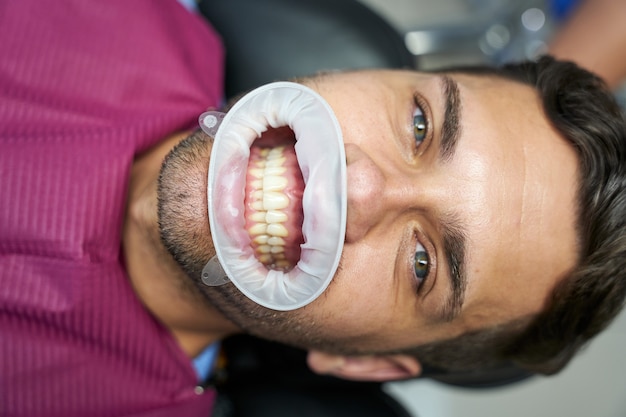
(263, 378)
(270, 40)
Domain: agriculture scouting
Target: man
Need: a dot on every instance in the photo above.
(467, 208)
(484, 187)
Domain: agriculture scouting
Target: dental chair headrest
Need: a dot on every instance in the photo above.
(271, 40)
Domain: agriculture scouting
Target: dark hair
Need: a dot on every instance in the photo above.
(584, 111)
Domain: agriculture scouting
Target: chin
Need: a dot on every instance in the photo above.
(181, 204)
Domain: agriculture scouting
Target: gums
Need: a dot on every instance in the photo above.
(273, 200)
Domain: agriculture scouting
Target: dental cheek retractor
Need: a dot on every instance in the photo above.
(248, 189)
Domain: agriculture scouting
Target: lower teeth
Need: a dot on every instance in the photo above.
(269, 208)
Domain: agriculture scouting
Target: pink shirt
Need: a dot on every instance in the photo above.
(84, 87)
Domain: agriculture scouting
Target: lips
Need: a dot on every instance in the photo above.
(277, 210)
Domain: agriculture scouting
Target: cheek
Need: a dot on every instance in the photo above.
(355, 126)
(359, 113)
(361, 298)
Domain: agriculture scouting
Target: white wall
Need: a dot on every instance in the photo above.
(593, 385)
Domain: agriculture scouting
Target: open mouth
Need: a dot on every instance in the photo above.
(277, 197)
(273, 200)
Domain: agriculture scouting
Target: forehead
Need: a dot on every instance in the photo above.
(522, 228)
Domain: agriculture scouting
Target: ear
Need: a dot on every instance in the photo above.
(365, 368)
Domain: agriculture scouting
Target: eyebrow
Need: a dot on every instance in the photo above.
(451, 126)
(454, 236)
(454, 240)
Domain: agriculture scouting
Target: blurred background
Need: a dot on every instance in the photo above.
(448, 32)
(594, 384)
(472, 31)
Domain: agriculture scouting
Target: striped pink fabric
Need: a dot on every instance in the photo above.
(84, 87)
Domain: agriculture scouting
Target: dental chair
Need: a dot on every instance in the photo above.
(262, 378)
(270, 40)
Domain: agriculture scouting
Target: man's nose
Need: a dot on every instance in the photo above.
(366, 193)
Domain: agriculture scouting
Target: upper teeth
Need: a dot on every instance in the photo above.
(274, 183)
(267, 201)
(274, 216)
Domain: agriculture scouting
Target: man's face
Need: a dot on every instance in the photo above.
(461, 214)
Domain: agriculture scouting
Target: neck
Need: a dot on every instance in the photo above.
(157, 279)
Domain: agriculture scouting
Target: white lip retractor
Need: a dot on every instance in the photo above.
(321, 157)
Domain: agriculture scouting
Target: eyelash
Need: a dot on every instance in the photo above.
(419, 120)
(420, 261)
(417, 260)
